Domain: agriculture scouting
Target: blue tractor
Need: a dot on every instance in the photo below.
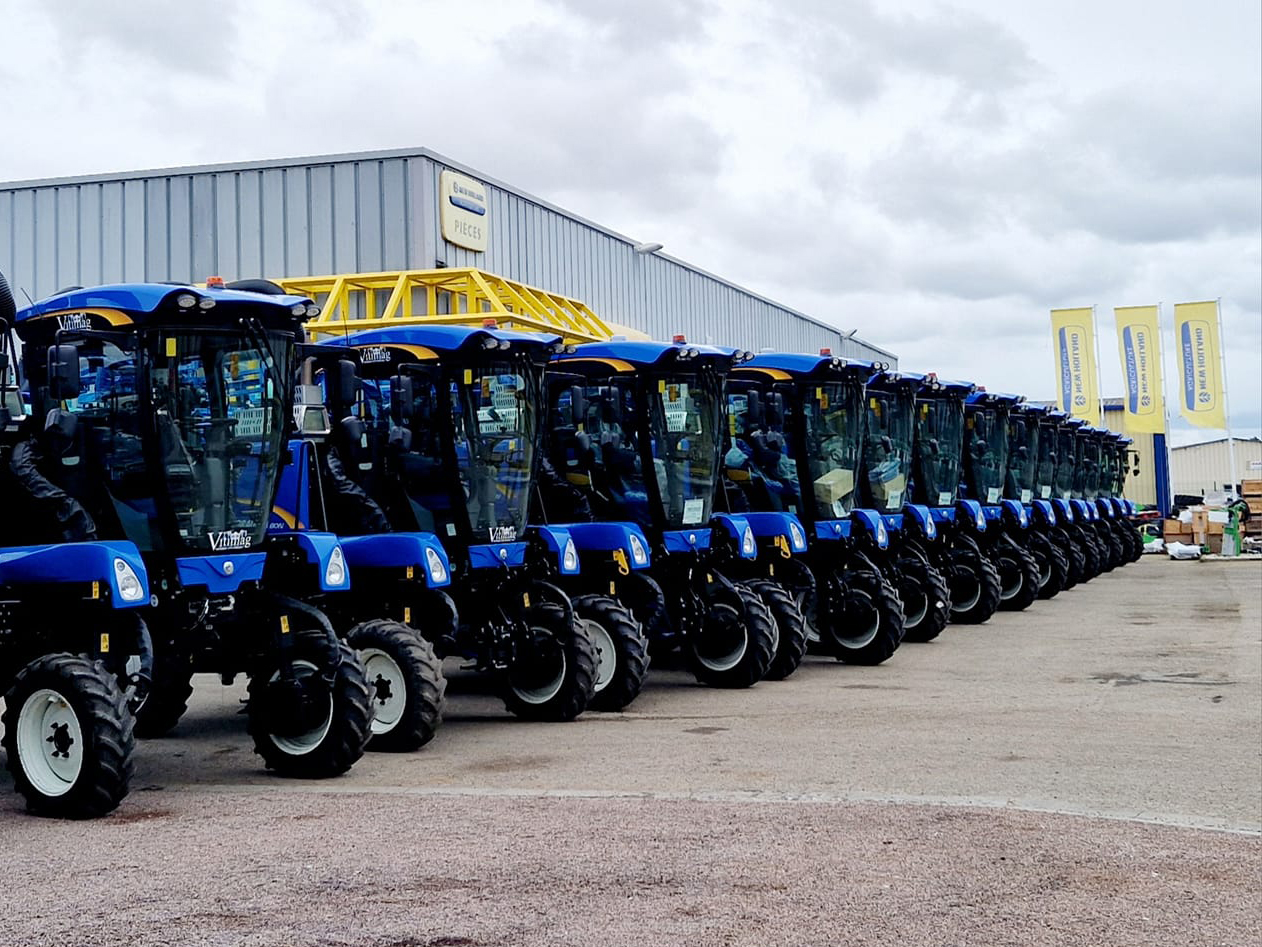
(643, 442)
(796, 424)
(913, 451)
(75, 656)
(985, 472)
(1117, 458)
(182, 459)
(1029, 482)
(1075, 513)
(444, 439)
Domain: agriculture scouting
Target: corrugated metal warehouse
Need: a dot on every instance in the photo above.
(371, 212)
(1197, 469)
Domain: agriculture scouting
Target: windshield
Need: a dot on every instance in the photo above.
(684, 414)
(1066, 462)
(1045, 470)
(216, 418)
(1121, 469)
(887, 447)
(1089, 464)
(759, 458)
(1023, 458)
(986, 452)
(468, 452)
(1107, 479)
(939, 441)
(832, 419)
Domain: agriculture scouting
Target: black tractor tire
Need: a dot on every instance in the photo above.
(736, 643)
(868, 626)
(340, 736)
(172, 686)
(1053, 566)
(405, 680)
(975, 586)
(790, 628)
(1018, 563)
(622, 651)
(79, 704)
(563, 659)
(641, 593)
(1110, 545)
(1086, 541)
(1137, 541)
(925, 589)
(1063, 540)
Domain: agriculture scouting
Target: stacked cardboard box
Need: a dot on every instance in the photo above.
(1251, 490)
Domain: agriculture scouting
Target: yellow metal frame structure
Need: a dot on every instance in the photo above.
(457, 296)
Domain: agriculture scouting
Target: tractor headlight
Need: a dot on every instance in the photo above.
(206, 303)
(129, 587)
(186, 300)
(1023, 519)
(434, 563)
(335, 571)
(569, 557)
(882, 537)
(313, 311)
(797, 539)
(639, 555)
(931, 530)
(980, 520)
(748, 546)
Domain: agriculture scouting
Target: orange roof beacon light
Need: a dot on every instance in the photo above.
(679, 339)
(214, 282)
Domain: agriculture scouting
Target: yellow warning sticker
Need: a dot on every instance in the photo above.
(284, 624)
(105, 643)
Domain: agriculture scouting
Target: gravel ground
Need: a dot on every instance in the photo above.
(1094, 768)
(349, 869)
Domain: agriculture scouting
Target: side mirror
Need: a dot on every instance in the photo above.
(402, 398)
(753, 410)
(886, 444)
(63, 372)
(346, 382)
(775, 409)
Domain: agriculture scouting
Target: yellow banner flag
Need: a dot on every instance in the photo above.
(1201, 400)
(1139, 345)
(1073, 342)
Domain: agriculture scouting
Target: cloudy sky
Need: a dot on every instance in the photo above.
(937, 176)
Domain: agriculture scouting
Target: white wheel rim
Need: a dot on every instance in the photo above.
(868, 633)
(1045, 572)
(606, 655)
(729, 659)
(912, 619)
(1012, 590)
(544, 692)
(304, 743)
(961, 607)
(50, 743)
(389, 689)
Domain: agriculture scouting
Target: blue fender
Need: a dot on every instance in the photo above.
(832, 529)
(893, 522)
(771, 525)
(872, 522)
(1017, 510)
(1043, 512)
(942, 514)
(921, 516)
(321, 548)
(609, 537)
(221, 575)
(559, 542)
(686, 540)
(971, 512)
(97, 561)
(420, 551)
(1064, 507)
(737, 526)
(497, 555)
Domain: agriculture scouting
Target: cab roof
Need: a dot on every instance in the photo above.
(983, 397)
(450, 339)
(631, 356)
(814, 367)
(142, 302)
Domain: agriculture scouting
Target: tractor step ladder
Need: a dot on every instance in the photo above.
(457, 296)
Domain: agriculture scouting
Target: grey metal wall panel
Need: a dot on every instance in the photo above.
(358, 213)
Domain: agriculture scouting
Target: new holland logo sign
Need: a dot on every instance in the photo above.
(1196, 329)
(1074, 338)
(464, 217)
(1139, 347)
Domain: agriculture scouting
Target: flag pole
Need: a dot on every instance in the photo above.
(1231, 443)
(1099, 381)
